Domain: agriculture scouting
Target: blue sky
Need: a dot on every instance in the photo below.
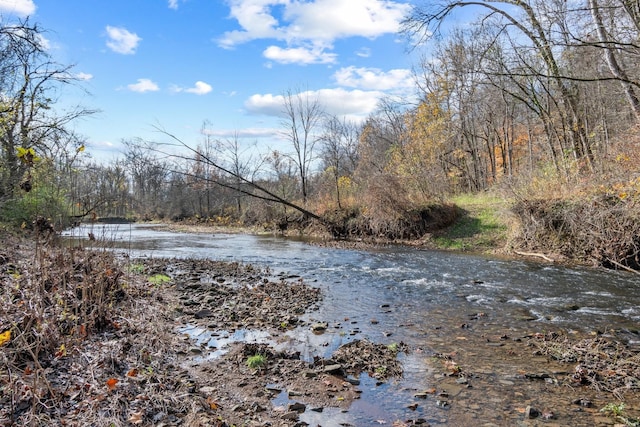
(176, 63)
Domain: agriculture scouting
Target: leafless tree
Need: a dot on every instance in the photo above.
(302, 113)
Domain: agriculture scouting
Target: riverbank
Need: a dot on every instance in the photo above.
(98, 340)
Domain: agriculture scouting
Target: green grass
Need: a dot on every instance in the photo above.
(159, 279)
(482, 225)
(257, 361)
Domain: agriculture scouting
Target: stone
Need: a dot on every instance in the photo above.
(331, 369)
(203, 313)
(297, 407)
(531, 412)
(290, 416)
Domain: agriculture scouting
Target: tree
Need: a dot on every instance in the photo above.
(30, 81)
(301, 115)
(528, 26)
(340, 139)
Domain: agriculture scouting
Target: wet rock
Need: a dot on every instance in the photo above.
(583, 402)
(412, 406)
(319, 327)
(297, 407)
(353, 381)
(442, 404)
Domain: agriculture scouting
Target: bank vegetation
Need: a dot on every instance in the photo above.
(535, 105)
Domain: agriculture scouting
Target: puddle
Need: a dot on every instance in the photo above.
(217, 342)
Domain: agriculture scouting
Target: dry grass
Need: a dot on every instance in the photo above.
(599, 363)
(86, 345)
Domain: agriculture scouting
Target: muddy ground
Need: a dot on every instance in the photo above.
(96, 340)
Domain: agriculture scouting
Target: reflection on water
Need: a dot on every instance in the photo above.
(400, 294)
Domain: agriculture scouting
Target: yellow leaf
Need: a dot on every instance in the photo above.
(80, 149)
(62, 351)
(5, 337)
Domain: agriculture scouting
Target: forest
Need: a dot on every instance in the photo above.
(537, 102)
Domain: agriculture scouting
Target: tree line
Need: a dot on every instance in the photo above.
(531, 92)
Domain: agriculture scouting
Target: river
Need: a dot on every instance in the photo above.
(424, 298)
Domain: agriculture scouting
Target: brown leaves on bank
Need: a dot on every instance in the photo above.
(82, 342)
(599, 363)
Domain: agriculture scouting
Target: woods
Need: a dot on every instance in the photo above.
(536, 101)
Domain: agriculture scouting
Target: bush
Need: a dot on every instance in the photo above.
(42, 201)
(604, 229)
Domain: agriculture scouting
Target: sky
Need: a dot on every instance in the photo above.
(174, 64)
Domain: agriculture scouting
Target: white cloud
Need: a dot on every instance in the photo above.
(299, 55)
(374, 78)
(122, 40)
(84, 76)
(143, 85)
(200, 88)
(353, 104)
(316, 23)
(173, 4)
(21, 8)
(332, 19)
(244, 133)
(255, 19)
(365, 52)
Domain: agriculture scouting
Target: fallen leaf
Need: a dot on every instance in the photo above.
(132, 373)
(111, 383)
(5, 337)
(135, 418)
(212, 403)
(28, 370)
(62, 351)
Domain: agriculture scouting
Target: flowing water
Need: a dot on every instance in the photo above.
(429, 300)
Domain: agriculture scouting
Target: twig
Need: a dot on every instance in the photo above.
(534, 254)
(624, 267)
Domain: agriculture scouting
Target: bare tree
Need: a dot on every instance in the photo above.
(29, 84)
(301, 116)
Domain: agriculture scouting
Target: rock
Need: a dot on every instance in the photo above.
(531, 412)
(332, 369)
(319, 327)
(583, 402)
(413, 406)
(290, 416)
(297, 407)
(353, 381)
